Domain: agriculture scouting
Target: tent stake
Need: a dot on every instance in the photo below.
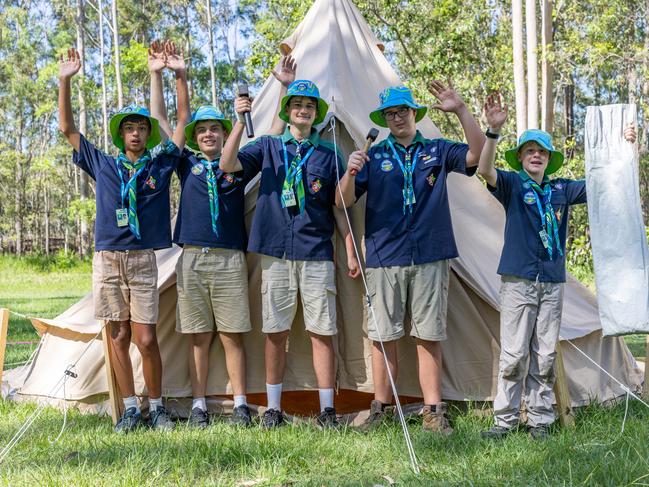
(645, 385)
(114, 397)
(561, 392)
(4, 325)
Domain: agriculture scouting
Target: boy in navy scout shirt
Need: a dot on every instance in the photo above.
(292, 229)
(409, 238)
(533, 269)
(212, 276)
(133, 219)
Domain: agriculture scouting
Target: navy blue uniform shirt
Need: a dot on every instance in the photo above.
(425, 235)
(194, 220)
(285, 232)
(523, 254)
(153, 209)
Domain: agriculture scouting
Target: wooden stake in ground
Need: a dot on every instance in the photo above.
(114, 396)
(561, 392)
(4, 324)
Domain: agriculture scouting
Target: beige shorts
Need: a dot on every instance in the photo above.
(280, 281)
(212, 289)
(125, 286)
(421, 290)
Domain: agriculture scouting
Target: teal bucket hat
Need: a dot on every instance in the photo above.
(154, 137)
(542, 138)
(205, 112)
(304, 87)
(396, 96)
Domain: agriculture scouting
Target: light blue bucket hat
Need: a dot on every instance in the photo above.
(205, 112)
(542, 138)
(304, 87)
(396, 96)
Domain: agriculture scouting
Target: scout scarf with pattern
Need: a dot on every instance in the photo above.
(549, 228)
(293, 178)
(212, 189)
(129, 189)
(407, 169)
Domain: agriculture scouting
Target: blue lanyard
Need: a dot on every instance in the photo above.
(302, 162)
(406, 171)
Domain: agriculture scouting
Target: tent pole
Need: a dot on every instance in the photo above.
(645, 386)
(561, 392)
(114, 397)
(4, 325)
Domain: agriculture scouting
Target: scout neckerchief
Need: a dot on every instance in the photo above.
(130, 188)
(212, 189)
(407, 169)
(549, 228)
(293, 180)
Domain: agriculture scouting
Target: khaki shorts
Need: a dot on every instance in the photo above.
(421, 290)
(212, 289)
(280, 280)
(125, 286)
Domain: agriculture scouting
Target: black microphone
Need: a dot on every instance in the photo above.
(243, 91)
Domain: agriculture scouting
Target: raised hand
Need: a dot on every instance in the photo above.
(495, 111)
(175, 59)
(449, 99)
(69, 65)
(630, 133)
(288, 68)
(156, 58)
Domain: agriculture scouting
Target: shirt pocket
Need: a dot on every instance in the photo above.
(318, 181)
(429, 170)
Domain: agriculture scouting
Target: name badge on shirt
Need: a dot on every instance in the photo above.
(288, 198)
(122, 217)
(544, 238)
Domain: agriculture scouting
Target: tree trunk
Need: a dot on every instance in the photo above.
(118, 69)
(547, 70)
(519, 66)
(84, 248)
(188, 50)
(569, 118)
(210, 51)
(18, 194)
(102, 70)
(46, 213)
(532, 66)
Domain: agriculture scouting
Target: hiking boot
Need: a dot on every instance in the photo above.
(241, 416)
(198, 419)
(327, 419)
(272, 418)
(497, 432)
(540, 432)
(379, 414)
(435, 419)
(159, 419)
(130, 421)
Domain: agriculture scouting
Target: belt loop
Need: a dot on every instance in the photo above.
(205, 250)
(126, 251)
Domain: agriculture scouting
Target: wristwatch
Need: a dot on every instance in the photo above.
(491, 135)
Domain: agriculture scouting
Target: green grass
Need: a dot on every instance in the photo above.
(594, 453)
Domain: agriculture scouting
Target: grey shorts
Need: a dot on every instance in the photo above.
(212, 291)
(125, 286)
(280, 281)
(420, 290)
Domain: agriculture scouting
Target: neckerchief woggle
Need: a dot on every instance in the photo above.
(130, 187)
(408, 188)
(293, 178)
(212, 189)
(550, 229)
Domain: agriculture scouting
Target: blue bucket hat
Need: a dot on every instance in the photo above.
(115, 121)
(304, 87)
(205, 112)
(396, 96)
(542, 138)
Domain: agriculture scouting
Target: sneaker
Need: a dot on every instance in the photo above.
(130, 421)
(435, 421)
(497, 432)
(272, 418)
(241, 416)
(540, 432)
(198, 419)
(327, 419)
(379, 414)
(159, 420)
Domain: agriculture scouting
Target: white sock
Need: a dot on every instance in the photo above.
(199, 402)
(154, 404)
(274, 395)
(240, 401)
(326, 398)
(131, 402)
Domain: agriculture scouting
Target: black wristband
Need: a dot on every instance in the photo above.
(491, 135)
